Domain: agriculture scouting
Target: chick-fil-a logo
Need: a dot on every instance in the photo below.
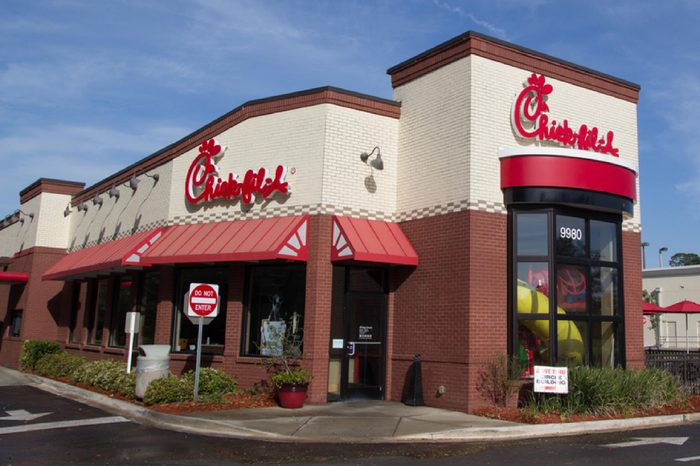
(203, 183)
(530, 120)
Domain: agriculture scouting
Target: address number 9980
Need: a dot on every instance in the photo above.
(571, 233)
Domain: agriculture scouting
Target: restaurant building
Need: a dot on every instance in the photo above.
(489, 207)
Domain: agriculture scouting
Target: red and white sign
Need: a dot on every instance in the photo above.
(530, 120)
(550, 379)
(204, 184)
(204, 300)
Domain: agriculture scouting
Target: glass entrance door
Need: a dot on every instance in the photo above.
(364, 361)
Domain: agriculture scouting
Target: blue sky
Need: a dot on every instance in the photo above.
(89, 87)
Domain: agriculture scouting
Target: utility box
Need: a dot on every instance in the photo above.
(153, 363)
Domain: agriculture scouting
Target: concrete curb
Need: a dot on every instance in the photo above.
(210, 427)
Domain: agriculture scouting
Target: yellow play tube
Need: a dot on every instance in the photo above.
(569, 338)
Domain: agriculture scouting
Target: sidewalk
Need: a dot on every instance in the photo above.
(351, 422)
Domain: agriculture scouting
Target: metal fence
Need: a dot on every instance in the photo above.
(685, 366)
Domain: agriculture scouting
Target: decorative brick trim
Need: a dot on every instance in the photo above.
(254, 108)
(632, 227)
(49, 185)
(472, 43)
(39, 250)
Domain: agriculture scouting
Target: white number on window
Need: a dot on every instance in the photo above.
(571, 233)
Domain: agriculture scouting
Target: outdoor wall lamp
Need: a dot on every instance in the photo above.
(661, 251)
(97, 200)
(67, 212)
(21, 219)
(155, 177)
(82, 207)
(376, 162)
(644, 254)
(134, 182)
(113, 192)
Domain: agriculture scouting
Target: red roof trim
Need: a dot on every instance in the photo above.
(103, 257)
(233, 241)
(370, 241)
(13, 277)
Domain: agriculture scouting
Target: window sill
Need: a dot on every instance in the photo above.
(92, 348)
(75, 346)
(185, 356)
(113, 350)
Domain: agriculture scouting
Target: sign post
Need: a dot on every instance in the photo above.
(203, 302)
(131, 327)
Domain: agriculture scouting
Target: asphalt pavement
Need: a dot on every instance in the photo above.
(350, 422)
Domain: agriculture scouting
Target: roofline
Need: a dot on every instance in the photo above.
(466, 37)
(683, 270)
(299, 99)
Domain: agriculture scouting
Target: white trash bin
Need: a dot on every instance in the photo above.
(153, 363)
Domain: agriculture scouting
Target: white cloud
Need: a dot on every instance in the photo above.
(490, 28)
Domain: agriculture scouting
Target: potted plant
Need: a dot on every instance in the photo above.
(290, 380)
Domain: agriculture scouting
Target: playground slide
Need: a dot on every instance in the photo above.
(535, 302)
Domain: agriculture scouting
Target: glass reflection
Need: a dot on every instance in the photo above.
(603, 241)
(603, 335)
(570, 236)
(532, 234)
(572, 336)
(533, 340)
(571, 288)
(603, 290)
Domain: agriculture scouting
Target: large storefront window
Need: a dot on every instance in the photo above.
(123, 295)
(274, 307)
(148, 308)
(185, 331)
(575, 318)
(97, 311)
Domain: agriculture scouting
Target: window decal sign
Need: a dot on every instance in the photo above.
(204, 183)
(531, 121)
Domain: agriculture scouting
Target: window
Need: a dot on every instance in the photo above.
(121, 305)
(184, 331)
(16, 323)
(274, 305)
(577, 317)
(148, 308)
(96, 314)
(74, 334)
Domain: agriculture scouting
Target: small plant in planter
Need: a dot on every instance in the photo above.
(290, 380)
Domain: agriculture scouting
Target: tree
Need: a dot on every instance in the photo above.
(684, 258)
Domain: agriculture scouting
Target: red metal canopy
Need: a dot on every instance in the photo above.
(371, 241)
(688, 307)
(104, 257)
(13, 278)
(651, 308)
(237, 240)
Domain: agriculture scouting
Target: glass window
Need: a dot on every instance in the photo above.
(532, 234)
(603, 344)
(604, 291)
(570, 236)
(149, 305)
(185, 332)
(572, 336)
(16, 323)
(275, 306)
(96, 315)
(122, 304)
(73, 331)
(603, 241)
(533, 288)
(533, 345)
(366, 279)
(571, 288)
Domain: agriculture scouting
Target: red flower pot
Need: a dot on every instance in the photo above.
(292, 396)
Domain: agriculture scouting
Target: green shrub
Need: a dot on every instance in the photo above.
(212, 381)
(170, 389)
(213, 385)
(33, 350)
(107, 374)
(499, 379)
(58, 364)
(603, 391)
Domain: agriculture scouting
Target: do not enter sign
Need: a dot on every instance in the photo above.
(204, 300)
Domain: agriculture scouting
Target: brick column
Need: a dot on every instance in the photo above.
(632, 282)
(317, 313)
(164, 310)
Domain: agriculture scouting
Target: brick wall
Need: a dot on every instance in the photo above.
(632, 270)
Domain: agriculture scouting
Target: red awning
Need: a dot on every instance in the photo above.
(688, 307)
(13, 278)
(371, 241)
(237, 240)
(651, 308)
(105, 257)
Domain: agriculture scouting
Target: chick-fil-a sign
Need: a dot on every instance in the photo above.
(530, 120)
(204, 184)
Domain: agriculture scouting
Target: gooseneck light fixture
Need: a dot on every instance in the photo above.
(21, 219)
(97, 200)
(645, 244)
(113, 192)
(377, 161)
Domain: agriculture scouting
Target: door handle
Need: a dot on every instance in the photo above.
(351, 348)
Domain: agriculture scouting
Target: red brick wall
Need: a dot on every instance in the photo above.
(451, 309)
(40, 301)
(632, 270)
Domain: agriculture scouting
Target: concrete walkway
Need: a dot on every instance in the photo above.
(352, 422)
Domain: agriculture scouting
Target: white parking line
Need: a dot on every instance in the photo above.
(62, 424)
(689, 458)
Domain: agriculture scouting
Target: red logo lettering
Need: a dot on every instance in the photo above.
(203, 183)
(530, 120)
